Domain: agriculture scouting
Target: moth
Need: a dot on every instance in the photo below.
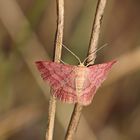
(74, 84)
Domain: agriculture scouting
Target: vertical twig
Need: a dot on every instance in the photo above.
(92, 47)
(74, 121)
(51, 118)
(57, 57)
(96, 31)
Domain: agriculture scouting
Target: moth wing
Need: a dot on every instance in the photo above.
(87, 96)
(65, 95)
(96, 75)
(61, 78)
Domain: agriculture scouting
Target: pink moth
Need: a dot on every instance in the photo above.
(74, 84)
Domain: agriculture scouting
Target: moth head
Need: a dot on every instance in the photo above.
(81, 64)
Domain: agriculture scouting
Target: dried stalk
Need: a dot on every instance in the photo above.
(96, 31)
(74, 121)
(57, 57)
(92, 47)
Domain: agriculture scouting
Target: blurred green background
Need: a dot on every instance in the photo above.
(27, 31)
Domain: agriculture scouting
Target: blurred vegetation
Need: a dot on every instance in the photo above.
(115, 111)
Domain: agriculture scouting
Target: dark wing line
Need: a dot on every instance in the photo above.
(65, 96)
(46, 72)
(66, 82)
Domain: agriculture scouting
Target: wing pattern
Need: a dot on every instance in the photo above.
(62, 80)
(96, 75)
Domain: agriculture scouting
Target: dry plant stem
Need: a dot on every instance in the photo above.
(57, 58)
(59, 30)
(74, 121)
(96, 31)
(92, 47)
(51, 118)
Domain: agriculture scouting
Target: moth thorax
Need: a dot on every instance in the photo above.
(80, 79)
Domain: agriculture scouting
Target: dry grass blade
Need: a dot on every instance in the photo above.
(91, 57)
(57, 58)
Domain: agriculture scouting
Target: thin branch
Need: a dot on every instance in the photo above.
(91, 57)
(96, 31)
(74, 121)
(57, 58)
(59, 30)
(51, 118)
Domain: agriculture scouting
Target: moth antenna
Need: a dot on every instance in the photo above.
(72, 53)
(95, 51)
